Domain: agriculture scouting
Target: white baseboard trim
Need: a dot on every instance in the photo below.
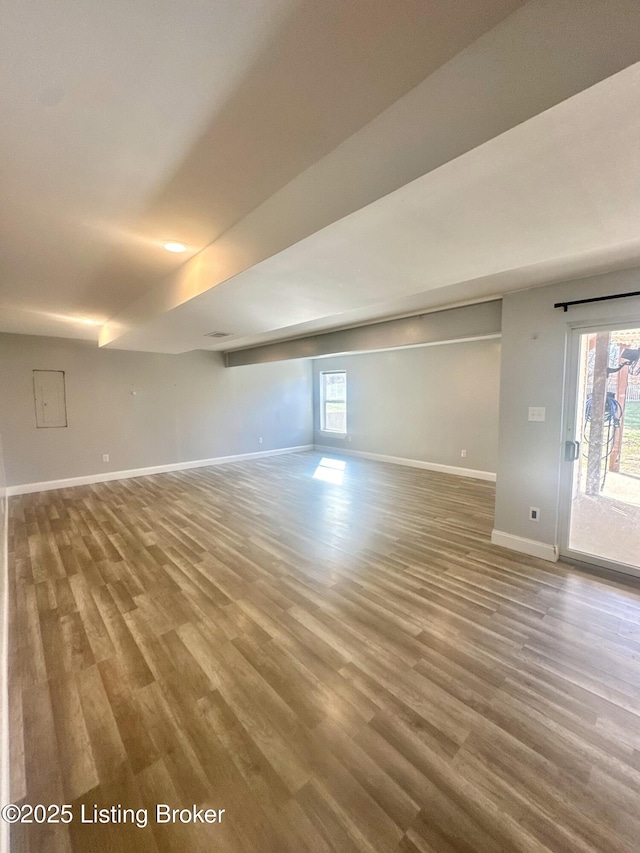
(411, 463)
(525, 546)
(89, 479)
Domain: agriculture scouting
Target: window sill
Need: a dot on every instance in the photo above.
(333, 434)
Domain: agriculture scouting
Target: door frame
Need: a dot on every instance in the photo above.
(570, 402)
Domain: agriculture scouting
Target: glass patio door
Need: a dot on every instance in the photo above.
(602, 449)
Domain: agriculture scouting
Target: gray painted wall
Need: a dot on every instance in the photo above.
(186, 407)
(3, 480)
(424, 403)
(534, 347)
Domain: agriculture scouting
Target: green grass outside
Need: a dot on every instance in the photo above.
(632, 415)
(630, 456)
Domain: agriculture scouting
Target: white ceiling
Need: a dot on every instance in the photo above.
(284, 140)
(554, 197)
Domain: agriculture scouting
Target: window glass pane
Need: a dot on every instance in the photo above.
(336, 416)
(335, 386)
(334, 401)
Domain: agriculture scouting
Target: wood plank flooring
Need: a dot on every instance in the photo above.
(340, 667)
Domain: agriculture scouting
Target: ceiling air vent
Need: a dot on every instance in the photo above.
(217, 334)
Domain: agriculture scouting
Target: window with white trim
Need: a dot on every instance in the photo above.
(333, 401)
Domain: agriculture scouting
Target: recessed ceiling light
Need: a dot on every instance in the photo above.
(175, 247)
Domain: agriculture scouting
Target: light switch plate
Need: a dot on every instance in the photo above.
(537, 413)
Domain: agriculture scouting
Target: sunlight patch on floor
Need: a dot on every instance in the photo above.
(330, 470)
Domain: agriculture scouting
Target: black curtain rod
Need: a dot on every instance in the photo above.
(565, 305)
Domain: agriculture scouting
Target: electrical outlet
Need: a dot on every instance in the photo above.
(463, 453)
(105, 457)
(537, 413)
(260, 440)
(534, 513)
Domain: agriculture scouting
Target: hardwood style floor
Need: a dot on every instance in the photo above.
(340, 667)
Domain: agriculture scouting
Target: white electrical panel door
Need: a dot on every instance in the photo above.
(50, 399)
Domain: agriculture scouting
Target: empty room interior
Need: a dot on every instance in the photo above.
(320, 426)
